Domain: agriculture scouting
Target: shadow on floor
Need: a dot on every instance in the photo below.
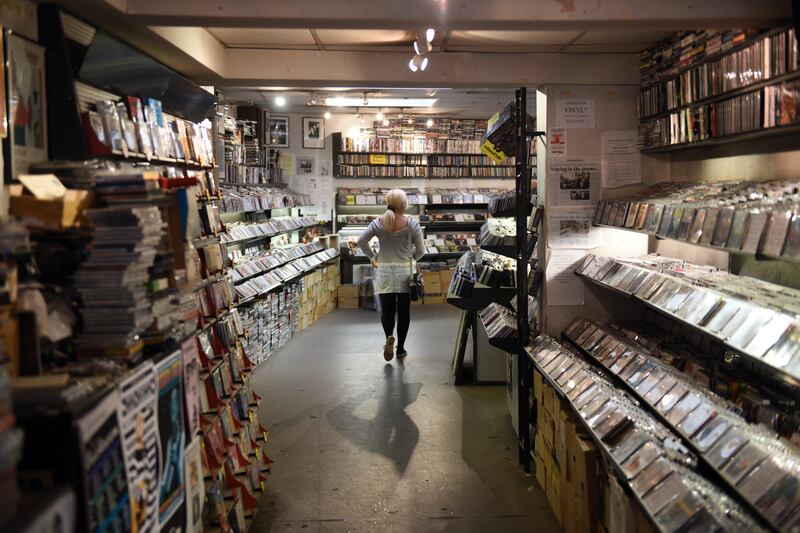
(390, 432)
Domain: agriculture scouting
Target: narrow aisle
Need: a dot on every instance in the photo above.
(364, 445)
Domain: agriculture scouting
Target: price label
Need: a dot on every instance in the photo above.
(378, 159)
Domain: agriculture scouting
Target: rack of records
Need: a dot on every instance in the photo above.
(709, 87)
(755, 218)
(745, 458)
(581, 411)
(243, 158)
(416, 154)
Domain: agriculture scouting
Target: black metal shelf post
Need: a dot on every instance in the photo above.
(523, 326)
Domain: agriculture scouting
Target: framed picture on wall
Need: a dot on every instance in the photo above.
(27, 114)
(313, 132)
(278, 133)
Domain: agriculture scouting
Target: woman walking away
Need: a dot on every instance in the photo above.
(396, 234)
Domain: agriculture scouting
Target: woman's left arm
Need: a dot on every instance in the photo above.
(419, 242)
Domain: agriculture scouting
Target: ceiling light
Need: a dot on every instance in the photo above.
(312, 101)
(410, 120)
(430, 33)
(379, 116)
(400, 115)
(422, 45)
(380, 102)
(280, 101)
(429, 123)
(418, 63)
(362, 120)
(327, 115)
(386, 122)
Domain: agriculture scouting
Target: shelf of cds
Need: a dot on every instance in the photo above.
(752, 318)
(446, 150)
(753, 218)
(746, 459)
(244, 158)
(574, 401)
(709, 87)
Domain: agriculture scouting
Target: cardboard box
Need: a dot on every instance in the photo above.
(66, 212)
(538, 387)
(349, 291)
(445, 276)
(430, 299)
(348, 302)
(562, 430)
(541, 471)
(554, 494)
(568, 514)
(584, 473)
(550, 400)
(621, 517)
(545, 427)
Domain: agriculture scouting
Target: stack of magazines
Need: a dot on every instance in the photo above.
(112, 282)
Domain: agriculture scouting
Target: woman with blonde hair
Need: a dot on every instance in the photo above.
(396, 234)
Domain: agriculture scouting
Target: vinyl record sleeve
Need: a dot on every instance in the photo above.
(641, 373)
(722, 451)
(711, 433)
(712, 213)
(666, 221)
(589, 395)
(686, 405)
(661, 388)
(582, 388)
(723, 228)
(792, 246)
(756, 484)
(650, 381)
(698, 418)
(629, 444)
(641, 459)
(670, 489)
(775, 233)
(738, 228)
(575, 381)
(687, 218)
(651, 476)
(756, 224)
(624, 359)
(781, 501)
(696, 229)
(598, 402)
(743, 462)
(679, 511)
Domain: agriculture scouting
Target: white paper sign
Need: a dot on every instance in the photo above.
(562, 285)
(572, 228)
(620, 160)
(573, 183)
(557, 142)
(575, 113)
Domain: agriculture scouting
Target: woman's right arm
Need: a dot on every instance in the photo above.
(363, 240)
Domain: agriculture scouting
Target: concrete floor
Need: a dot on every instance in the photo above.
(364, 445)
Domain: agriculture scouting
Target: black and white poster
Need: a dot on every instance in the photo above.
(191, 386)
(137, 417)
(105, 479)
(171, 436)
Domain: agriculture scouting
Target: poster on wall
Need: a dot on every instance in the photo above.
(326, 168)
(191, 386)
(287, 163)
(103, 462)
(195, 489)
(563, 287)
(620, 160)
(305, 165)
(171, 436)
(573, 183)
(572, 228)
(278, 132)
(27, 115)
(313, 132)
(137, 417)
(575, 113)
(557, 143)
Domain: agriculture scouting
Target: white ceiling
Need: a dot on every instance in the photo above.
(451, 103)
(503, 41)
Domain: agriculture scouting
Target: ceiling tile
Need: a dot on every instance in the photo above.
(622, 36)
(264, 37)
(511, 38)
(630, 48)
(365, 37)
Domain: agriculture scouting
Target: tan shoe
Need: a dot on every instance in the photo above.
(388, 348)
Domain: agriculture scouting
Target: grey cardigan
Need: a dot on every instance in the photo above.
(394, 245)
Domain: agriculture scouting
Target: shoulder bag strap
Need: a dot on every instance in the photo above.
(410, 249)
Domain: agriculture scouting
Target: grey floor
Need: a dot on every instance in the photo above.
(364, 445)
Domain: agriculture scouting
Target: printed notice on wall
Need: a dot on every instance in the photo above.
(620, 160)
(575, 113)
(572, 228)
(562, 285)
(557, 143)
(573, 183)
